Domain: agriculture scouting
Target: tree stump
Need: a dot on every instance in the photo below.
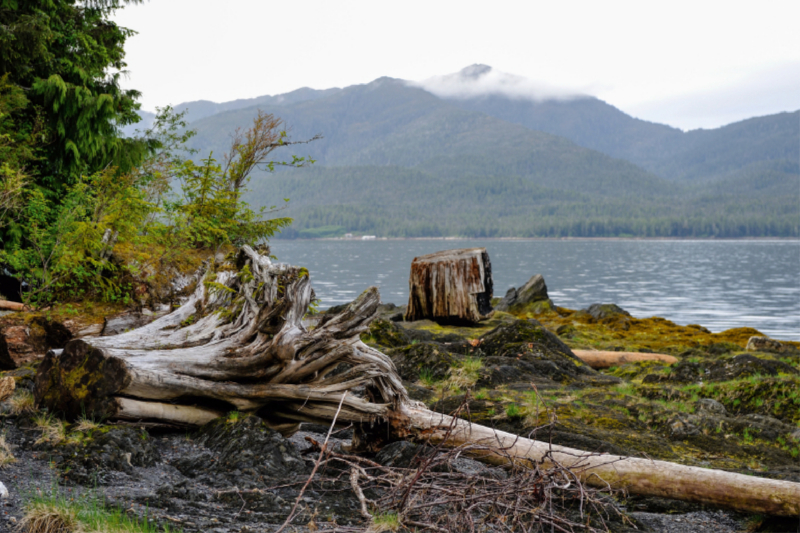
(451, 287)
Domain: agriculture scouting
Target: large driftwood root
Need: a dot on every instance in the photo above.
(239, 343)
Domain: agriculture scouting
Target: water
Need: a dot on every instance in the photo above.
(719, 284)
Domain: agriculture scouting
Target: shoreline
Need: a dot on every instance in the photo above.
(681, 239)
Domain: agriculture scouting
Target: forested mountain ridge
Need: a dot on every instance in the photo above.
(398, 160)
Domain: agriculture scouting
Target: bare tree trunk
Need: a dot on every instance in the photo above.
(451, 287)
(239, 343)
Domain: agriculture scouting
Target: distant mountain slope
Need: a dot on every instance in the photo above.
(397, 160)
(402, 202)
(665, 151)
(387, 122)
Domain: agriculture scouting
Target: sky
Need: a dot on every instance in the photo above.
(689, 64)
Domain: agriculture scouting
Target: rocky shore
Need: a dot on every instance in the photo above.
(729, 402)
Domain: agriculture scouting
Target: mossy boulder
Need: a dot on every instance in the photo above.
(740, 366)
(430, 357)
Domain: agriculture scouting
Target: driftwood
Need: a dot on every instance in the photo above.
(598, 359)
(451, 287)
(239, 343)
(12, 306)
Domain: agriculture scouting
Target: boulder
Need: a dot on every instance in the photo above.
(604, 311)
(764, 344)
(535, 290)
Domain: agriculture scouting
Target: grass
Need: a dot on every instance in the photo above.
(22, 402)
(465, 373)
(385, 522)
(234, 417)
(426, 377)
(84, 425)
(513, 411)
(51, 512)
(6, 457)
(53, 430)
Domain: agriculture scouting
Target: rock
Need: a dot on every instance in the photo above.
(535, 290)
(102, 451)
(6, 362)
(742, 365)
(795, 436)
(400, 454)
(22, 347)
(710, 406)
(764, 344)
(56, 334)
(7, 386)
(3, 491)
(603, 311)
(431, 357)
(683, 425)
(244, 453)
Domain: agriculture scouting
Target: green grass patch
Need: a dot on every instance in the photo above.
(47, 512)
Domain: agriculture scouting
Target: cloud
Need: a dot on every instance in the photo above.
(768, 91)
(482, 80)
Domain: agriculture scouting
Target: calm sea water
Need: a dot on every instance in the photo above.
(719, 284)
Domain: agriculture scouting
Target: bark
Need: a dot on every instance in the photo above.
(239, 343)
(451, 287)
(598, 359)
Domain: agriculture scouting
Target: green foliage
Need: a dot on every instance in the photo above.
(114, 233)
(68, 57)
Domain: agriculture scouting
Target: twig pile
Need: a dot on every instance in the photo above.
(434, 496)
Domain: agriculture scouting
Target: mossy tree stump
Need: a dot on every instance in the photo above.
(451, 287)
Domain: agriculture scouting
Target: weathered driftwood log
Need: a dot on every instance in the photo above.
(636, 476)
(239, 343)
(451, 287)
(598, 359)
(11, 306)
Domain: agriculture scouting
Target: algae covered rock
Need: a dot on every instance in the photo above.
(94, 456)
(603, 311)
(242, 452)
(740, 366)
(764, 344)
(429, 357)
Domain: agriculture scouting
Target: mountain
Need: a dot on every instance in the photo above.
(665, 151)
(483, 154)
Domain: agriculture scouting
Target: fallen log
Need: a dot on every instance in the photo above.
(451, 287)
(636, 476)
(239, 343)
(12, 306)
(599, 359)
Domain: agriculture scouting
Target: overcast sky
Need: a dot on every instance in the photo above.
(689, 64)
